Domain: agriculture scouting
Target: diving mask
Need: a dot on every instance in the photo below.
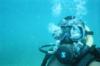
(72, 33)
(77, 33)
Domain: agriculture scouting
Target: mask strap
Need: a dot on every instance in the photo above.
(89, 33)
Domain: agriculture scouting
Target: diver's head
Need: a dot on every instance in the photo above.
(73, 28)
(70, 29)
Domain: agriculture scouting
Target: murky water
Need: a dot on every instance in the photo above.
(24, 26)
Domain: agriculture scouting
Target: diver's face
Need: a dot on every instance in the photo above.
(75, 33)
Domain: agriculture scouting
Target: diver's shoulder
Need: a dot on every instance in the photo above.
(97, 54)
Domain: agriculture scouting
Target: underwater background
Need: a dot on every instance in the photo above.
(24, 26)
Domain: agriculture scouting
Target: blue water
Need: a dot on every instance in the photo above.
(24, 26)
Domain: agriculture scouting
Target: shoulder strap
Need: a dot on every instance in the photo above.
(45, 60)
(96, 53)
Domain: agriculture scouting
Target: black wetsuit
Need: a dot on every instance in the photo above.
(92, 55)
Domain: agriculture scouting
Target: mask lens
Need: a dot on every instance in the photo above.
(75, 33)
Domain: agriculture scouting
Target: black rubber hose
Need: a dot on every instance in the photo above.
(41, 49)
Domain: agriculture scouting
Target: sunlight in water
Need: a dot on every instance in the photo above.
(80, 8)
(56, 8)
(75, 7)
(53, 28)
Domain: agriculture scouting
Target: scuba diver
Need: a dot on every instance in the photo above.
(74, 45)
